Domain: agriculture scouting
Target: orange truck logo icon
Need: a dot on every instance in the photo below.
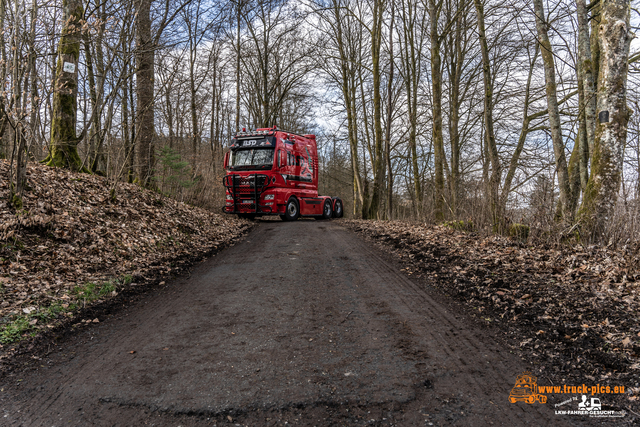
(526, 390)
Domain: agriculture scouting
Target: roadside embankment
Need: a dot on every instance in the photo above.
(76, 241)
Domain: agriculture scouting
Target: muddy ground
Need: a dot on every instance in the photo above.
(301, 324)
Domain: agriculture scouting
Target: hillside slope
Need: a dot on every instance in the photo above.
(72, 244)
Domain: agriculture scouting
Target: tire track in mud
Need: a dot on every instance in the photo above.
(420, 306)
(301, 322)
(418, 302)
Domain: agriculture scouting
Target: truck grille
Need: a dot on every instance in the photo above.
(245, 190)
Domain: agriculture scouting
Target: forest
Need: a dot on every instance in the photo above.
(509, 116)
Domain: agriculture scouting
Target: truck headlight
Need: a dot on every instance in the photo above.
(269, 197)
(229, 196)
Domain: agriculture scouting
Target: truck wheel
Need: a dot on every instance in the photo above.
(327, 212)
(337, 211)
(292, 212)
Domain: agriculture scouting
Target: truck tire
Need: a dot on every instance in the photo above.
(327, 212)
(292, 211)
(338, 210)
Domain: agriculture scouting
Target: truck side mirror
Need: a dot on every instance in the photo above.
(282, 159)
(226, 159)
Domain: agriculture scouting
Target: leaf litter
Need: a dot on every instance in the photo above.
(70, 233)
(573, 311)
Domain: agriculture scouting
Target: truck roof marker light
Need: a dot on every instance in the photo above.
(244, 129)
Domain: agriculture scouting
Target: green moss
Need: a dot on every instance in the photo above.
(26, 325)
(588, 212)
(93, 291)
(16, 201)
(14, 330)
(65, 156)
(519, 231)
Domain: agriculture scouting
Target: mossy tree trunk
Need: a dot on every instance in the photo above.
(612, 119)
(63, 147)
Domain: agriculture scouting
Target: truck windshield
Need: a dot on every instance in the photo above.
(260, 158)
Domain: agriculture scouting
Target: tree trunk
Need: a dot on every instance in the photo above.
(95, 126)
(63, 148)
(581, 144)
(411, 63)
(457, 62)
(193, 107)
(586, 68)
(436, 83)
(378, 166)
(595, 46)
(18, 158)
(34, 99)
(387, 138)
(490, 140)
(239, 11)
(565, 210)
(613, 116)
(145, 56)
(347, 73)
(3, 79)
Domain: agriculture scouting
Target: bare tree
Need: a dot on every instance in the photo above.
(566, 207)
(276, 60)
(378, 166)
(413, 22)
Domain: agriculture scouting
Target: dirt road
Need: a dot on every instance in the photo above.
(301, 324)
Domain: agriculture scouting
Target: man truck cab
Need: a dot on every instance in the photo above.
(275, 172)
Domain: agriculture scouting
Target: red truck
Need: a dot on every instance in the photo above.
(275, 172)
